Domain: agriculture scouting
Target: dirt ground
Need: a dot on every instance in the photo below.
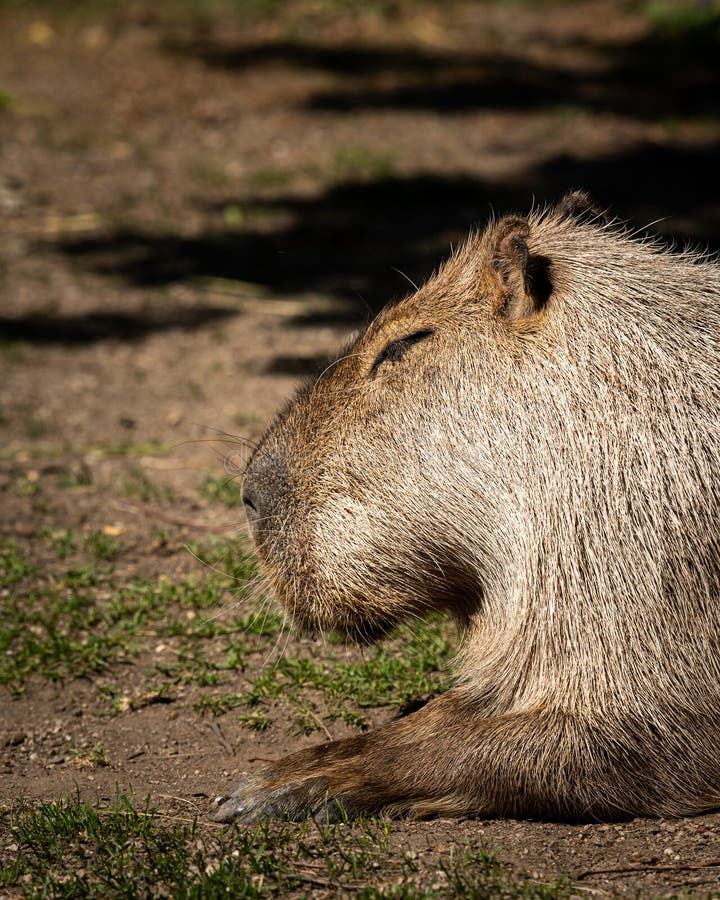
(195, 209)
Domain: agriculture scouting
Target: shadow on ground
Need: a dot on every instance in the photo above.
(669, 72)
(352, 241)
(91, 327)
(360, 242)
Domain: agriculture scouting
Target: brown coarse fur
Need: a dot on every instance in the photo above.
(531, 442)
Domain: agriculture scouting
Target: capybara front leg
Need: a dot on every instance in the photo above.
(447, 759)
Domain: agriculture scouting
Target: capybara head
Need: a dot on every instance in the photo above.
(531, 424)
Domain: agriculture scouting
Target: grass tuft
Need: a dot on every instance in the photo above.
(412, 664)
(81, 621)
(13, 565)
(684, 18)
(72, 849)
(224, 490)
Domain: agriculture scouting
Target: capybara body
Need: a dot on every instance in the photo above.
(531, 442)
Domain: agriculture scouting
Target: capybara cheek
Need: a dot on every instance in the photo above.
(341, 529)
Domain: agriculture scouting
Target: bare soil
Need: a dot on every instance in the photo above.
(196, 209)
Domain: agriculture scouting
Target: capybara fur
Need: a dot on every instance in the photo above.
(529, 441)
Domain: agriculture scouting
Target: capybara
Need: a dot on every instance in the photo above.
(529, 441)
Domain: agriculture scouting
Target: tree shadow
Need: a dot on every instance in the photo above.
(89, 328)
(671, 191)
(352, 243)
(666, 73)
(363, 242)
(340, 59)
(652, 80)
(301, 366)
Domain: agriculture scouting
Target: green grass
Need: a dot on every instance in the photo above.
(63, 541)
(82, 620)
(680, 18)
(70, 849)
(79, 476)
(24, 483)
(226, 490)
(413, 664)
(102, 546)
(234, 215)
(65, 631)
(137, 484)
(13, 565)
(357, 161)
(89, 757)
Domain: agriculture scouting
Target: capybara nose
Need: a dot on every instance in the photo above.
(265, 489)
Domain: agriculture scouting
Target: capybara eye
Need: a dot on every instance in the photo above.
(396, 349)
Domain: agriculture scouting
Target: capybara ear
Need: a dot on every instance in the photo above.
(525, 284)
(580, 206)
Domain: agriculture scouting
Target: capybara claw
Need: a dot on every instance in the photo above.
(237, 803)
(226, 810)
(236, 809)
(252, 801)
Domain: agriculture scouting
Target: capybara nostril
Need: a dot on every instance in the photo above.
(250, 503)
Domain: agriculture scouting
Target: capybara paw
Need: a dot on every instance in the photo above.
(235, 804)
(255, 799)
